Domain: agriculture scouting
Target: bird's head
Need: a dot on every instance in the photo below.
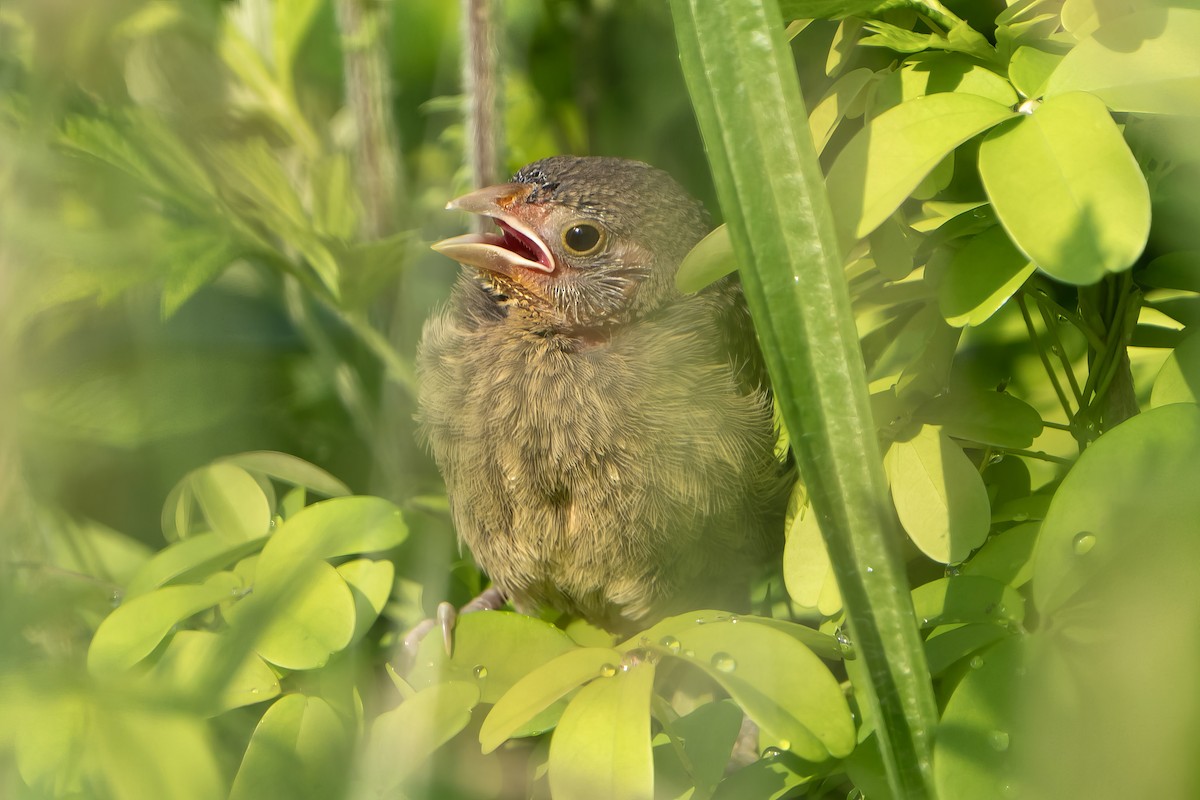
(583, 243)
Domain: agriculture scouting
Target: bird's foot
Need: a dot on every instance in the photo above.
(444, 619)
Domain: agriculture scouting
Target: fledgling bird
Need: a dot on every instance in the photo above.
(607, 442)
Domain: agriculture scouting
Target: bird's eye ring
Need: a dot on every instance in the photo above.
(582, 238)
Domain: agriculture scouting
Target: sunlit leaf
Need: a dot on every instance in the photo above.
(988, 418)
(541, 687)
(981, 278)
(834, 107)
(1006, 556)
(289, 469)
(196, 557)
(967, 599)
(1030, 68)
(710, 260)
(402, 739)
(136, 628)
(194, 658)
(938, 494)
(707, 736)
(934, 72)
(886, 160)
(231, 501)
(1145, 62)
(778, 681)
(370, 583)
(601, 747)
(807, 573)
(1067, 189)
(299, 749)
(492, 649)
(1131, 488)
(973, 751)
(951, 645)
(301, 619)
(1179, 379)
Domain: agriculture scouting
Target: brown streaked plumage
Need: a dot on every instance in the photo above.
(607, 442)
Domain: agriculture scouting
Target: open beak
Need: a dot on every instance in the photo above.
(516, 248)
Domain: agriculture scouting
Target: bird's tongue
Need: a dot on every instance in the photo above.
(520, 244)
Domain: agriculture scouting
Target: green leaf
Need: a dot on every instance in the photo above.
(973, 753)
(601, 747)
(1179, 379)
(541, 687)
(778, 681)
(195, 259)
(291, 23)
(892, 249)
(298, 749)
(939, 495)
(710, 260)
(289, 469)
(951, 645)
(195, 558)
(664, 632)
(968, 599)
(1006, 556)
(981, 278)
(492, 649)
(835, 105)
(194, 658)
(960, 38)
(300, 620)
(1178, 270)
(707, 736)
(1132, 488)
(1030, 69)
(402, 739)
(885, 161)
(987, 418)
(741, 77)
(933, 73)
(370, 583)
(231, 501)
(341, 526)
(830, 9)
(1067, 189)
(1146, 63)
(807, 573)
(136, 627)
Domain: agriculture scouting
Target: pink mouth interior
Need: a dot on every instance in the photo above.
(522, 245)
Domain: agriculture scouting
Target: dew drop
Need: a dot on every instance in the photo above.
(671, 643)
(253, 690)
(785, 744)
(723, 662)
(976, 662)
(1020, 516)
(690, 653)
(1083, 543)
(998, 740)
(607, 671)
(771, 752)
(870, 570)
(480, 671)
(733, 618)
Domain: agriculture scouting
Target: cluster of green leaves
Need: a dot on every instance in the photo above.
(970, 179)
(1011, 202)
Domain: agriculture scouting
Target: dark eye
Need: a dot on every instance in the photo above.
(582, 238)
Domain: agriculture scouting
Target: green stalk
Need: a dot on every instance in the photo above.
(746, 96)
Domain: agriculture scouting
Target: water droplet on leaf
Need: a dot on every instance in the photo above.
(771, 752)
(998, 740)
(723, 662)
(1083, 543)
(607, 671)
(480, 671)
(671, 643)
(976, 662)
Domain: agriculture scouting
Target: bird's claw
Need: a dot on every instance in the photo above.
(445, 619)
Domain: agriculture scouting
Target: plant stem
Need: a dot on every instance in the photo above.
(742, 80)
(482, 84)
(369, 96)
(1041, 351)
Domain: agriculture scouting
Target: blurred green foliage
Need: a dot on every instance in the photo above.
(189, 289)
